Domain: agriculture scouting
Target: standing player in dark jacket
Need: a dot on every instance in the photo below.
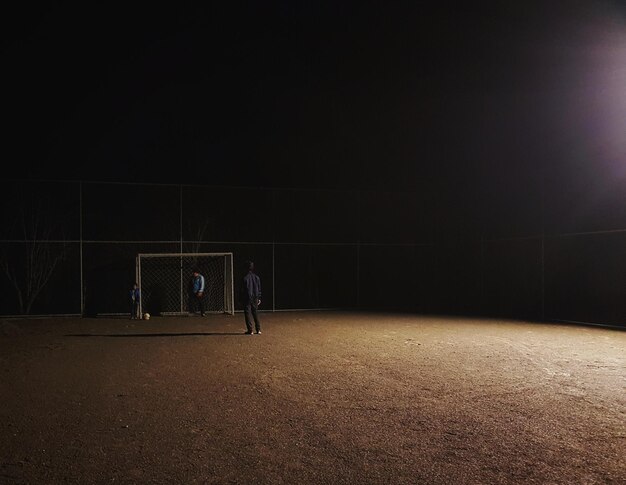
(251, 299)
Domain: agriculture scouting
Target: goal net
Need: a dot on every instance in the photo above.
(165, 281)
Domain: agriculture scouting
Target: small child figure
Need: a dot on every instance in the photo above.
(134, 297)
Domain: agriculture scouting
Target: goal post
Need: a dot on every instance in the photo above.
(165, 279)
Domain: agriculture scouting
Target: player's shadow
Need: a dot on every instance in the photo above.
(182, 334)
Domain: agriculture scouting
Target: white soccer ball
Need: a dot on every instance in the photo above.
(146, 316)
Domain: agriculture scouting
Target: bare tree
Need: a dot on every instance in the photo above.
(31, 273)
(200, 232)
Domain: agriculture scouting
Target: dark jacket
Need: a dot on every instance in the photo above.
(252, 287)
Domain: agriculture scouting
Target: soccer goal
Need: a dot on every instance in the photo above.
(165, 282)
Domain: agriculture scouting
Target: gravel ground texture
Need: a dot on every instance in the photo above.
(317, 398)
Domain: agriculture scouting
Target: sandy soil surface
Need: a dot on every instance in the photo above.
(319, 397)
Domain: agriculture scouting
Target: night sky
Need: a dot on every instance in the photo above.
(310, 94)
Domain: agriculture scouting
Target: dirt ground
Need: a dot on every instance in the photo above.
(319, 397)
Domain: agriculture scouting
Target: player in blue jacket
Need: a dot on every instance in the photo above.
(134, 302)
(197, 292)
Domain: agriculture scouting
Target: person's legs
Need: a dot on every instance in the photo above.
(196, 303)
(257, 322)
(246, 311)
(201, 305)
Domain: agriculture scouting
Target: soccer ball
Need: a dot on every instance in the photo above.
(146, 316)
